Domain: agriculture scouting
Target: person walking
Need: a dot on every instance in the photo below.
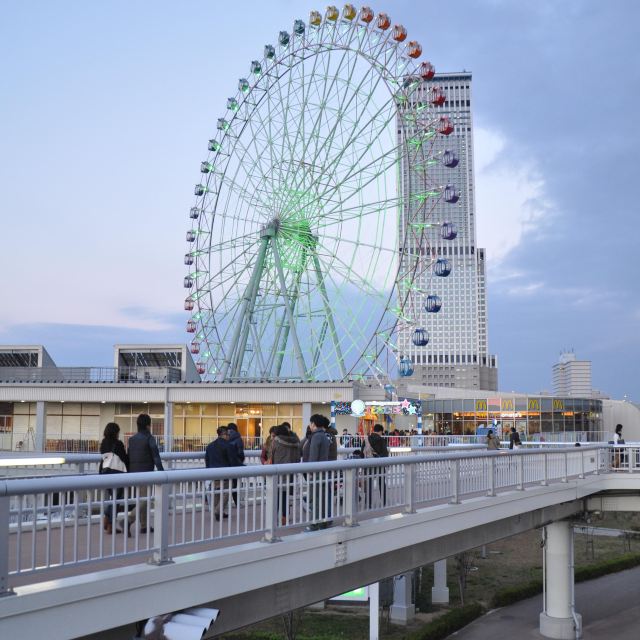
(618, 440)
(375, 446)
(514, 439)
(493, 444)
(320, 495)
(265, 454)
(143, 456)
(285, 449)
(114, 460)
(235, 440)
(221, 454)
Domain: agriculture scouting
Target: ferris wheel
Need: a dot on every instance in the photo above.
(305, 240)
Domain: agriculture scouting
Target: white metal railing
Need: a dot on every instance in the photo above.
(56, 522)
(38, 465)
(83, 443)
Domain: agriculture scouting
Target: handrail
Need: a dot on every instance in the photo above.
(49, 522)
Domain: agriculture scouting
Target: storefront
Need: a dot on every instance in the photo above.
(533, 416)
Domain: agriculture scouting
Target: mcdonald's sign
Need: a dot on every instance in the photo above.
(481, 405)
(507, 404)
(558, 404)
(534, 404)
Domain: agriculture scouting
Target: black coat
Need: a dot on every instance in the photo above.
(379, 445)
(117, 447)
(143, 453)
(221, 453)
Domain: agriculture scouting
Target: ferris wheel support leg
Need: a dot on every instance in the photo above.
(234, 355)
(285, 324)
(292, 327)
(329, 314)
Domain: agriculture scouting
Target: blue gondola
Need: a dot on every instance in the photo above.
(405, 368)
(188, 282)
(420, 337)
(451, 194)
(450, 159)
(442, 267)
(449, 231)
(433, 304)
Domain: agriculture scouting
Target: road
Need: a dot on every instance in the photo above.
(610, 608)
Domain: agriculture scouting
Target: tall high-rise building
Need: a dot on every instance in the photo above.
(572, 377)
(457, 354)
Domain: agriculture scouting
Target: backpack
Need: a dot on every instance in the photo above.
(367, 449)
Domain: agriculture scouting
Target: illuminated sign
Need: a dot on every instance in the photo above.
(481, 405)
(558, 404)
(534, 404)
(357, 595)
(360, 409)
(507, 404)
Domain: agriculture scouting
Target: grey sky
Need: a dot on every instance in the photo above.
(105, 113)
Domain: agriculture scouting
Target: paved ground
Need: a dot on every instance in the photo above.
(610, 608)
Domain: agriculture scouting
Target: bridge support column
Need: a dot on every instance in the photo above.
(41, 427)
(440, 591)
(402, 611)
(558, 619)
(168, 426)
(306, 416)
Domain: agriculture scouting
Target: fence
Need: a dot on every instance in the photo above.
(57, 522)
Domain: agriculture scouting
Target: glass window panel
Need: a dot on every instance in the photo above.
(178, 426)
(227, 410)
(209, 410)
(179, 409)
(53, 408)
(209, 427)
(88, 409)
(192, 427)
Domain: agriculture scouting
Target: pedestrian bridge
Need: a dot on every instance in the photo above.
(62, 576)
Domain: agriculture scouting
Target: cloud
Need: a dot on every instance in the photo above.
(511, 201)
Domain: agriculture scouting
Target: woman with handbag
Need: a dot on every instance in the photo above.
(114, 460)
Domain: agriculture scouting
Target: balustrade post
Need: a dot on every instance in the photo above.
(492, 477)
(271, 509)
(351, 497)
(520, 471)
(161, 495)
(409, 488)
(455, 482)
(545, 477)
(565, 475)
(4, 547)
(581, 474)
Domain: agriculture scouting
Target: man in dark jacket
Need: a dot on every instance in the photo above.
(143, 456)
(321, 497)
(235, 440)
(221, 454)
(375, 446)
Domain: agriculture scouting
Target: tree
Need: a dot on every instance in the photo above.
(463, 562)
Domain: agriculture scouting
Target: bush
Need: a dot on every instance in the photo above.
(446, 624)
(510, 595)
(626, 561)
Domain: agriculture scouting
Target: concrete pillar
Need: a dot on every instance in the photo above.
(440, 591)
(374, 611)
(402, 611)
(557, 619)
(168, 426)
(306, 416)
(41, 427)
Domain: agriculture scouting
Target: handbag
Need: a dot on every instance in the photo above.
(111, 460)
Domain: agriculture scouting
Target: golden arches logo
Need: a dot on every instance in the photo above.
(534, 404)
(558, 404)
(507, 405)
(481, 405)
